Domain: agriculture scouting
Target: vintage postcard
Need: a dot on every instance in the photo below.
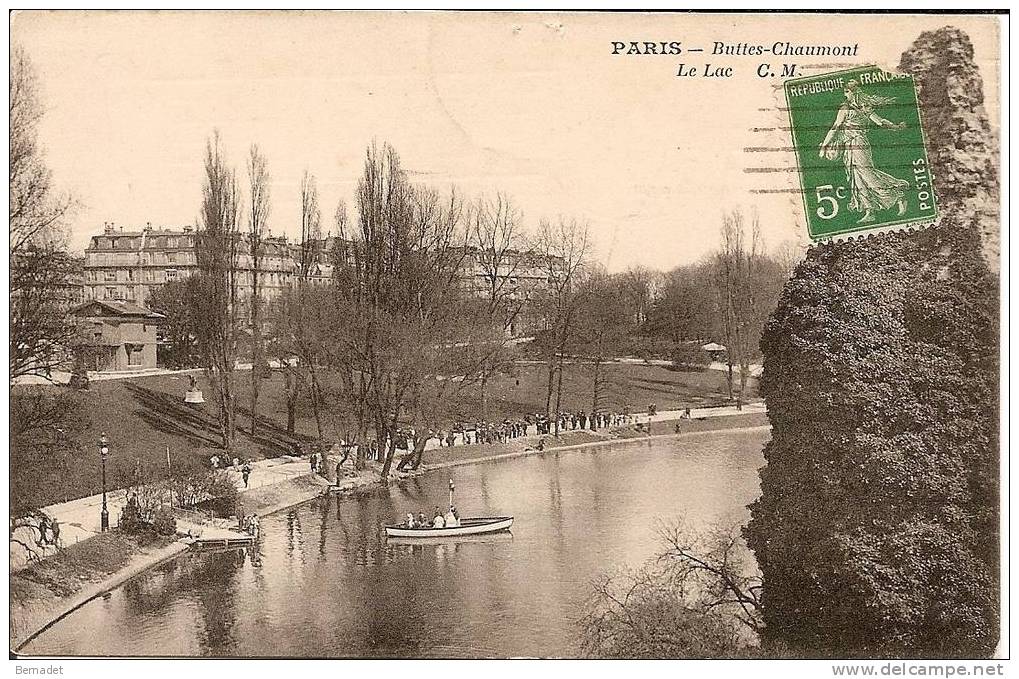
(507, 334)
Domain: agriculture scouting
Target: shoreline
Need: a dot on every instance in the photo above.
(297, 491)
(590, 444)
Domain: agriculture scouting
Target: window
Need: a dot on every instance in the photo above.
(111, 276)
(111, 293)
(130, 274)
(171, 257)
(134, 354)
(130, 292)
(171, 274)
(149, 275)
(171, 242)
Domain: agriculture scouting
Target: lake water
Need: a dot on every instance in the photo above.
(324, 581)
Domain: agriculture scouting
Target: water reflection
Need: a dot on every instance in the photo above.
(324, 581)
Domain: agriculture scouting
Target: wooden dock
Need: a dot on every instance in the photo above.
(222, 542)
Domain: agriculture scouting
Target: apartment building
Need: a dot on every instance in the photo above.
(129, 265)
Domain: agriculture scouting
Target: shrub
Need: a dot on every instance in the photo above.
(164, 523)
(689, 357)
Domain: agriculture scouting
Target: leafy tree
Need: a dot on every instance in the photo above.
(178, 302)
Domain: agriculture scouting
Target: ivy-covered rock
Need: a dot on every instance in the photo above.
(876, 530)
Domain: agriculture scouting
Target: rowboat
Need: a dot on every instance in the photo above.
(483, 539)
(472, 526)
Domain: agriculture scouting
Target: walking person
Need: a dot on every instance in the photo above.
(246, 472)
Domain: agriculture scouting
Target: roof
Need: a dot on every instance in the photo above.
(108, 307)
(712, 346)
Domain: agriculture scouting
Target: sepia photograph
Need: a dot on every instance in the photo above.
(508, 334)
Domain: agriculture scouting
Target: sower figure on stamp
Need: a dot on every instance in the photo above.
(870, 188)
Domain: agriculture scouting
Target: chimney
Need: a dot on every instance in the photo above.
(187, 228)
(148, 226)
(107, 227)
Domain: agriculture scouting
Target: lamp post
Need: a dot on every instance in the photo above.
(104, 451)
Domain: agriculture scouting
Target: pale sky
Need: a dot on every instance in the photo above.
(533, 105)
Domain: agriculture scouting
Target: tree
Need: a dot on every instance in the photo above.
(638, 287)
(258, 217)
(686, 310)
(737, 272)
(399, 285)
(178, 302)
(562, 249)
(602, 329)
(497, 241)
(698, 598)
(46, 425)
(40, 269)
(217, 246)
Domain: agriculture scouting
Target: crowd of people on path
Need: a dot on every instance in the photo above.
(536, 424)
(480, 432)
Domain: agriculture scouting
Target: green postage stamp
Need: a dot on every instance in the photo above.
(860, 150)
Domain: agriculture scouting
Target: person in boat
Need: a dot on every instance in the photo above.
(451, 519)
(411, 521)
(422, 521)
(439, 521)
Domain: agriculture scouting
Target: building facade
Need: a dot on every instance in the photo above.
(129, 265)
(120, 335)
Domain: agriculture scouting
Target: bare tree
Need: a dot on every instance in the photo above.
(738, 265)
(602, 329)
(40, 269)
(258, 216)
(308, 263)
(217, 249)
(562, 248)
(699, 598)
(401, 287)
(497, 242)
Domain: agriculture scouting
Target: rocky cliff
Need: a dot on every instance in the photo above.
(962, 146)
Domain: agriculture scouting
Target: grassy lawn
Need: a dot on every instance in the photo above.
(86, 562)
(625, 384)
(144, 416)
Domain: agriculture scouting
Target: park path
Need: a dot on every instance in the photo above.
(80, 519)
(660, 416)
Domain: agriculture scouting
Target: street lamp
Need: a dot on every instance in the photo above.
(104, 451)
